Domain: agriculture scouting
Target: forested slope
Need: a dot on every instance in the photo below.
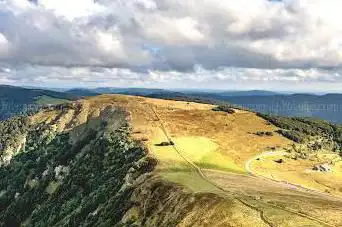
(53, 180)
(17, 100)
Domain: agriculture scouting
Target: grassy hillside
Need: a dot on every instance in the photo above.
(46, 100)
(115, 160)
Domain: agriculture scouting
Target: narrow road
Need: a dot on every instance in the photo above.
(243, 201)
(294, 186)
(260, 156)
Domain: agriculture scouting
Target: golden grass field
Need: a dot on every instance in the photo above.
(300, 172)
(212, 140)
(211, 150)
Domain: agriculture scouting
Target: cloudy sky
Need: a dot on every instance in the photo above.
(284, 45)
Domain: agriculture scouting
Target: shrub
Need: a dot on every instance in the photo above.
(269, 133)
(224, 108)
(264, 133)
(164, 144)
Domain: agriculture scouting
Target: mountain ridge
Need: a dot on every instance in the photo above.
(116, 160)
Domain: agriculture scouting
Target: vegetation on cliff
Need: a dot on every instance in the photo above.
(56, 182)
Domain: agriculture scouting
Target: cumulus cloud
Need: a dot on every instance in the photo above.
(225, 78)
(46, 37)
(4, 45)
(72, 9)
(158, 40)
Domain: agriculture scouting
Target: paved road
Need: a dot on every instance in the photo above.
(263, 155)
(292, 185)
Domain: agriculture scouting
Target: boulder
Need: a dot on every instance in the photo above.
(322, 167)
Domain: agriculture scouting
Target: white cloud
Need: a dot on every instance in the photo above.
(72, 9)
(224, 78)
(292, 33)
(160, 40)
(17, 5)
(173, 31)
(4, 46)
(110, 43)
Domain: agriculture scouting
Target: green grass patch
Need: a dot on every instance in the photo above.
(232, 169)
(219, 161)
(191, 180)
(45, 100)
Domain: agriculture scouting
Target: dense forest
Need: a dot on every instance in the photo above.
(303, 130)
(18, 100)
(57, 181)
(10, 132)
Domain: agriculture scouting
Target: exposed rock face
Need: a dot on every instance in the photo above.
(322, 167)
(62, 181)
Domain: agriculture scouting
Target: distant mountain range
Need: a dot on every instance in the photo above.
(81, 92)
(327, 107)
(151, 91)
(241, 93)
(16, 100)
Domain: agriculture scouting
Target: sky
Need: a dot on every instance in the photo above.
(288, 45)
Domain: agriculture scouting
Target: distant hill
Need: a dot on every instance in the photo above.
(128, 91)
(152, 91)
(248, 93)
(327, 107)
(82, 92)
(16, 100)
(112, 90)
